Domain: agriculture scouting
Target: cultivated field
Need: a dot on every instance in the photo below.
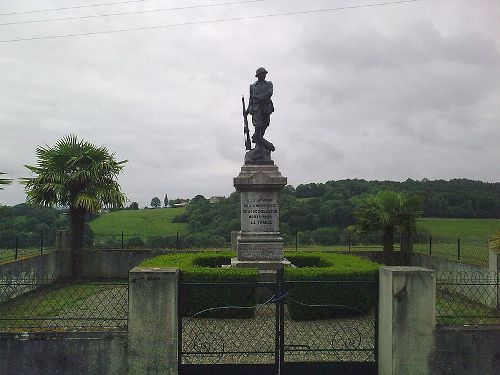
(466, 229)
(141, 223)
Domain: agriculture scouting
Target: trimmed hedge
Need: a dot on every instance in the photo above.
(207, 268)
(356, 286)
(350, 285)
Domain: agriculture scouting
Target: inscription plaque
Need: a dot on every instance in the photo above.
(259, 212)
(260, 251)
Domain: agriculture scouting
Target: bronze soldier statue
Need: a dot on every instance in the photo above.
(260, 108)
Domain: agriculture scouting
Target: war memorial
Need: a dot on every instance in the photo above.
(259, 244)
(169, 312)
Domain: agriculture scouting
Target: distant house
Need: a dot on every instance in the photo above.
(216, 199)
(182, 204)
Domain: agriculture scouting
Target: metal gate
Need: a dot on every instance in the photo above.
(284, 327)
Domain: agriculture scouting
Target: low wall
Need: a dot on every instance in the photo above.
(473, 282)
(439, 264)
(114, 264)
(54, 264)
(466, 351)
(63, 353)
(32, 271)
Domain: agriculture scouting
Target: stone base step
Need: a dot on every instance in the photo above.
(260, 264)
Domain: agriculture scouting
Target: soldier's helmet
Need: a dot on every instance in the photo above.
(260, 71)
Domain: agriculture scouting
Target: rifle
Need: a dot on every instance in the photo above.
(246, 131)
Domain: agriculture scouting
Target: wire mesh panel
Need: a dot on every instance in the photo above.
(226, 323)
(330, 321)
(34, 305)
(467, 298)
(467, 251)
(295, 327)
(475, 252)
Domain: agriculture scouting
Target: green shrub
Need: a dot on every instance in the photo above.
(211, 261)
(163, 242)
(203, 239)
(107, 243)
(207, 268)
(326, 236)
(134, 243)
(354, 290)
(356, 287)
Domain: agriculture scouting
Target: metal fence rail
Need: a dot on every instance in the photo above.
(130, 241)
(467, 298)
(18, 247)
(468, 251)
(34, 305)
(222, 323)
(285, 324)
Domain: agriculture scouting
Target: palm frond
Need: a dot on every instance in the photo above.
(75, 173)
(4, 181)
(387, 209)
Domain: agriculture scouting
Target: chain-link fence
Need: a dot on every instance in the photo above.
(23, 246)
(467, 298)
(468, 251)
(28, 304)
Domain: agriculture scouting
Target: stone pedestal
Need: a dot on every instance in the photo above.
(152, 321)
(259, 243)
(407, 319)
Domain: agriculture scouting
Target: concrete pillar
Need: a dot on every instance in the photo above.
(152, 321)
(494, 260)
(407, 319)
(494, 268)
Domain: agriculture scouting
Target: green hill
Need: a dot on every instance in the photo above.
(141, 223)
(467, 229)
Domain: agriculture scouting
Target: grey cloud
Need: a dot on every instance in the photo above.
(389, 93)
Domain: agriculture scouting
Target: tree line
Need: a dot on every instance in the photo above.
(28, 223)
(456, 198)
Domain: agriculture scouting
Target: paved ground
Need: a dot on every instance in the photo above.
(209, 340)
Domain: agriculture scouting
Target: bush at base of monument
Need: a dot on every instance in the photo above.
(355, 293)
(325, 286)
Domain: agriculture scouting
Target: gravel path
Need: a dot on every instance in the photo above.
(210, 341)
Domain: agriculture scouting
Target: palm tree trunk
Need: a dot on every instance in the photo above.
(77, 222)
(388, 243)
(405, 246)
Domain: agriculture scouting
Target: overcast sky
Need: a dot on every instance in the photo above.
(409, 90)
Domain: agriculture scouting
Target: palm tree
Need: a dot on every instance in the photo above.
(78, 175)
(386, 211)
(4, 181)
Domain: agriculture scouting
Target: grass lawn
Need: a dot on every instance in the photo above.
(141, 223)
(88, 304)
(455, 309)
(465, 229)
